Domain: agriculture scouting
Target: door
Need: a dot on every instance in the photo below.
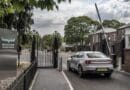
(72, 64)
(78, 60)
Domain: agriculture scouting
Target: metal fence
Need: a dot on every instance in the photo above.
(24, 80)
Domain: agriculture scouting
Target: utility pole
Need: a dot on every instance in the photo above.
(100, 20)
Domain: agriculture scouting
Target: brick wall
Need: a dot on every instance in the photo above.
(120, 33)
(126, 65)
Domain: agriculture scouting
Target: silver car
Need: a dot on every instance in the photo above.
(90, 62)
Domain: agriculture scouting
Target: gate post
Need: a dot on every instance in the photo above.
(55, 52)
(33, 49)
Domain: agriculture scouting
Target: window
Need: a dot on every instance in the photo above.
(80, 56)
(74, 56)
(96, 55)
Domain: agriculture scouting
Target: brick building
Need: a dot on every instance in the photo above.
(123, 46)
(119, 42)
(98, 42)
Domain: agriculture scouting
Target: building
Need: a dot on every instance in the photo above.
(98, 42)
(123, 46)
(119, 43)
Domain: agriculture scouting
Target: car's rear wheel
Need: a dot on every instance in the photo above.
(80, 72)
(108, 75)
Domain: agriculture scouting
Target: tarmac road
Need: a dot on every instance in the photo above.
(118, 81)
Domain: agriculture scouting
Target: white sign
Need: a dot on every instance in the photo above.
(7, 46)
(8, 38)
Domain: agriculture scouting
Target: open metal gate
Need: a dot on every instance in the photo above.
(48, 58)
(45, 59)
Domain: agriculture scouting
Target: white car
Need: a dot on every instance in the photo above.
(90, 62)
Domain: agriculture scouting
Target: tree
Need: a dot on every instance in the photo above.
(48, 39)
(12, 6)
(59, 38)
(77, 28)
(17, 14)
(111, 24)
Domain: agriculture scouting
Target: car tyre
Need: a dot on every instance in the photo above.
(108, 75)
(80, 72)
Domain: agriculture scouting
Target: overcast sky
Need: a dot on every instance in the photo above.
(48, 22)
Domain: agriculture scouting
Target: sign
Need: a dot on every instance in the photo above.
(8, 39)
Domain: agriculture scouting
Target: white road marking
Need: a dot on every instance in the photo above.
(69, 83)
(34, 80)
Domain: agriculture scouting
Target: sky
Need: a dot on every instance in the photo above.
(46, 22)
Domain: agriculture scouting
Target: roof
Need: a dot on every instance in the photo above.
(106, 30)
(125, 26)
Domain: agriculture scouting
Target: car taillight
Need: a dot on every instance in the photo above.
(88, 62)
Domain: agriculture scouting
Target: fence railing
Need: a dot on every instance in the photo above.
(24, 80)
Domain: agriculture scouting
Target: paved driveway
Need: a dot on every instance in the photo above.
(118, 81)
(50, 79)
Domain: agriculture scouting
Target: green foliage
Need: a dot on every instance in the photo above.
(48, 39)
(12, 6)
(27, 38)
(17, 14)
(112, 24)
(59, 38)
(77, 28)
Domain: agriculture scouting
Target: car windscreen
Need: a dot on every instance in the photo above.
(96, 55)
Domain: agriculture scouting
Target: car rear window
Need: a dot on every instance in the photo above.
(96, 55)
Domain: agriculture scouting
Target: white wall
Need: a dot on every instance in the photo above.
(127, 38)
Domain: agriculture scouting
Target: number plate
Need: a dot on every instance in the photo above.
(102, 69)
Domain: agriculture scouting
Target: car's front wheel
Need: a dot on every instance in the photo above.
(80, 72)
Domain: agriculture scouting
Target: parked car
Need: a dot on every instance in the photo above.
(90, 62)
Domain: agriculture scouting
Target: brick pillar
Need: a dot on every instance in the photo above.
(126, 65)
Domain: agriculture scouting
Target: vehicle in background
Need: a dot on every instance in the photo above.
(86, 62)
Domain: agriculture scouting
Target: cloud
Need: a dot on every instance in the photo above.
(48, 22)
